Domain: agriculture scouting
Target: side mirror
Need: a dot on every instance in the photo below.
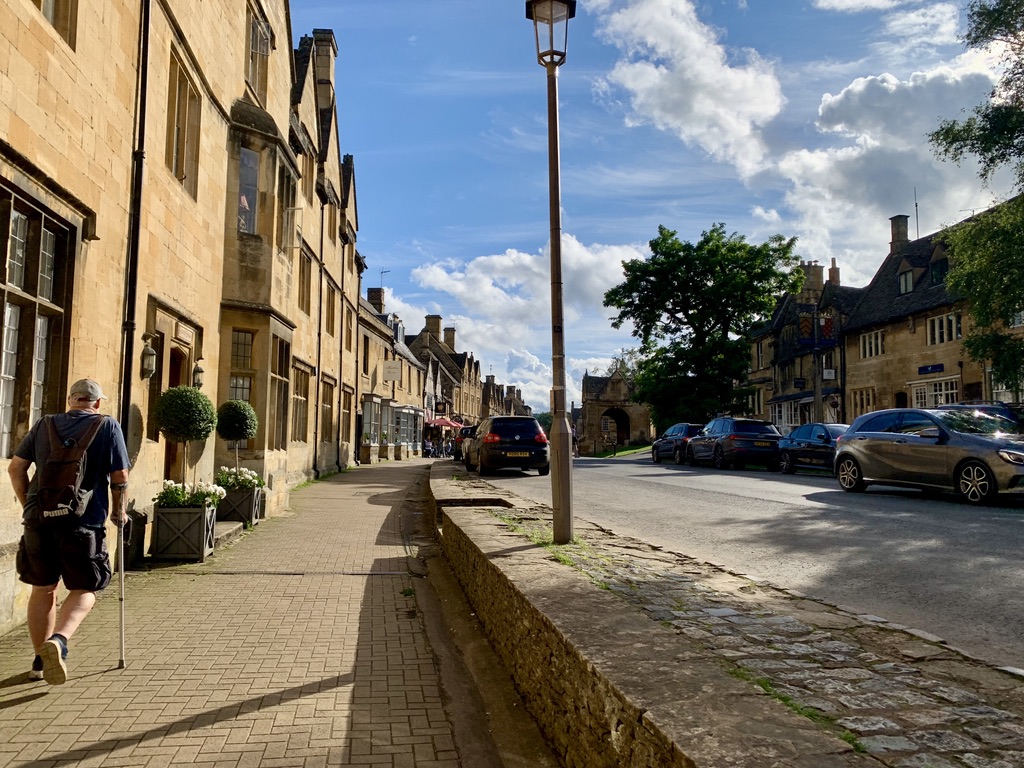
(823, 436)
(931, 432)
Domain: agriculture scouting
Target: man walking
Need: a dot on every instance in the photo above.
(73, 551)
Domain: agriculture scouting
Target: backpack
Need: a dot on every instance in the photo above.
(59, 494)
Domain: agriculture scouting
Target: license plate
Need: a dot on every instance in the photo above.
(517, 454)
(763, 443)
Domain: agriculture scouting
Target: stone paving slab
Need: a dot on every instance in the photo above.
(899, 695)
(298, 645)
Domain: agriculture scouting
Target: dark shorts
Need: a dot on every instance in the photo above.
(77, 555)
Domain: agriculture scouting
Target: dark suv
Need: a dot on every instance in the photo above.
(731, 442)
(672, 444)
(501, 442)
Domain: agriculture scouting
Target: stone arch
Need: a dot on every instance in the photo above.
(618, 425)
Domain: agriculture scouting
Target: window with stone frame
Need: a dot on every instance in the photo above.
(308, 176)
(248, 190)
(872, 344)
(257, 53)
(906, 282)
(327, 389)
(305, 283)
(330, 310)
(300, 404)
(280, 368)
(945, 328)
(242, 375)
(63, 17)
(289, 217)
(349, 326)
(346, 416)
(183, 116)
(37, 275)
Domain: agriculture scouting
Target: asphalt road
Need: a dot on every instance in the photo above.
(924, 561)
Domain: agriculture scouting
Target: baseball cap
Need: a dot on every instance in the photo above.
(86, 389)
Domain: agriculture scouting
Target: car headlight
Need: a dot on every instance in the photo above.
(1014, 457)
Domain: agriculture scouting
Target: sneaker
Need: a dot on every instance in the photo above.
(53, 653)
(36, 673)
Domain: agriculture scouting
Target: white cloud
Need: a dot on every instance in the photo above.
(934, 24)
(681, 79)
(857, 6)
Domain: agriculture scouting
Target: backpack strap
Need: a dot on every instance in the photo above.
(84, 441)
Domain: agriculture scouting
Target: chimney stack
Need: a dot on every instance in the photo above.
(833, 273)
(899, 232)
(433, 326)
(449, 337)
(376, 297)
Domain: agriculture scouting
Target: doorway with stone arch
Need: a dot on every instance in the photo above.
(614, 427)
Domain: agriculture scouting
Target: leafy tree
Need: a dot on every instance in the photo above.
(986, 260)
(987, 269)
(994, 133)
(691, 305)
(626, 362)
(544, 419)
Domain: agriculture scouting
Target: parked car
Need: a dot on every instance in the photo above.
(460, 437)
(733, 442)
(1012, 411)
(672, 444)
(507, 441)
(810, 445)
(969, 452)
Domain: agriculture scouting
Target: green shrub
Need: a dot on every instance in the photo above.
(236, 420)
(184, 414)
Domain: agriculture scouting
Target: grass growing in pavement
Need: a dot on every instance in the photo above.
(814, 715)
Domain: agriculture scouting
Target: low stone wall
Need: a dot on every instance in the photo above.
(608, 687)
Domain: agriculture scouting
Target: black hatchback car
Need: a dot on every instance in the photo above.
(810, 445)
(672, 444)
(733, 442)
(501, 442)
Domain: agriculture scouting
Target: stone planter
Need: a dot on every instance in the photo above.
(183, 533)
(387, 451)
(240, 505)
(401, 451)
(368, 454)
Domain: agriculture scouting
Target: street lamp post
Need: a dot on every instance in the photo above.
(551, 28)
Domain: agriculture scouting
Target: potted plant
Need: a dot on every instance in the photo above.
(237, 421)
(185, 515)
(184, 523)
(243, 488)
(183, 415)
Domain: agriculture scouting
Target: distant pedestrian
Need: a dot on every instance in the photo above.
(72, 550)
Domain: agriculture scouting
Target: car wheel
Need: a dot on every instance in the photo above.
(470, 466)
(690, 458)
(654, 456)
(850, 477)
(975, 483)
(484, 469)
(786, 464)
(679, 456)
(719, 458)
(544, 470)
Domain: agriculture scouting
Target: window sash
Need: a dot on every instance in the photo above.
(17, 252)
(248, 187)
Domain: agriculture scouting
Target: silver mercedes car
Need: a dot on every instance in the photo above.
(974, 454)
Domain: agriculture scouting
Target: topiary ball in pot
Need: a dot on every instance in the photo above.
(236, 420)
(184, 414)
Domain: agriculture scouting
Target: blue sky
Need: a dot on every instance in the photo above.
(802, 118)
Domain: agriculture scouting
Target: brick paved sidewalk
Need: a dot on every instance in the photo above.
(297, 645)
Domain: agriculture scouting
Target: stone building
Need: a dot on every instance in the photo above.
(898, 341)
(608, 415)
(797, 358)
(461, 389)
(183, 218)
(904, 340)
(391, 385)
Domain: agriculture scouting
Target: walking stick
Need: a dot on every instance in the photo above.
(120, 578)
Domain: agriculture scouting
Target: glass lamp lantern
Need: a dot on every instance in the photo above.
(551, 27)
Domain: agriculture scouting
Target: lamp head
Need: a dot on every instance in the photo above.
(551, 28)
